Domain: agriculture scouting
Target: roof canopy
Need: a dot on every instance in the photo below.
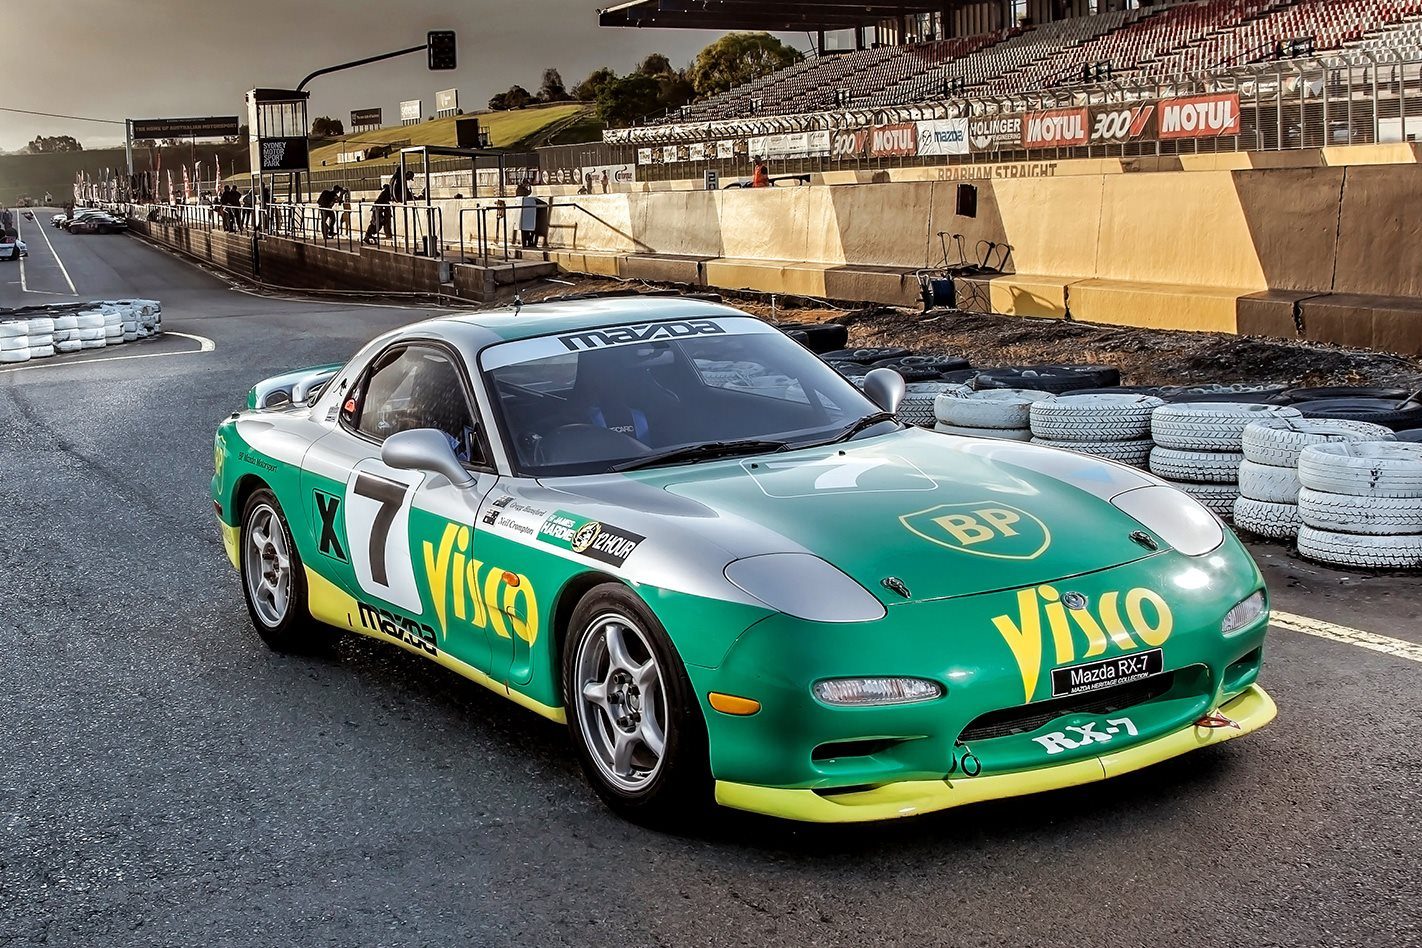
(788, 17)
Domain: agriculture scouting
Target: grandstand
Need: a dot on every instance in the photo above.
(1153, 43)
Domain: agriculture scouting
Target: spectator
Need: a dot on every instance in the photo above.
(247, 209)
(345, 194)
(379, 217)
(7, 219)
(326, 201)
(760, 177)
(400, 187)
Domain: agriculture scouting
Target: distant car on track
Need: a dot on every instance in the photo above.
(97, 224)
(12, 247)
(732, 573)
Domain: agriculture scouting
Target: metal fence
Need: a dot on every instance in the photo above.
(1357, 98)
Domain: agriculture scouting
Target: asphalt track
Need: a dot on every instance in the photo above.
(165, 780)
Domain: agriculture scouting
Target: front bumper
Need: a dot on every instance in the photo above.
(1249, 710)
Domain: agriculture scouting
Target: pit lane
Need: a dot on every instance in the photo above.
(166, 780)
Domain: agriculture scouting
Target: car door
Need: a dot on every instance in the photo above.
(401, 541)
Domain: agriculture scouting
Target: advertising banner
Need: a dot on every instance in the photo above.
(446, 101)
(943, 137)
(1059, 128)
(412, 110)
(696, 151)
(849, 144)
(1201, 116)
(213, 126)
(644, 156)
(725, 148)
(1118, 124)
(894, 140)
(284, 154)
(669, 153)
(996, 133)
(366, 118)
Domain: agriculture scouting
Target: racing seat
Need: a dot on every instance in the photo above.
(616, 390)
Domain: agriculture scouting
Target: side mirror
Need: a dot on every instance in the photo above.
(885, 388)
(424, 449)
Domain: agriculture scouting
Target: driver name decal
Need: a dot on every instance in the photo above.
(622, 335)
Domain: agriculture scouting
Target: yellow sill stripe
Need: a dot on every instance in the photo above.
(1252, 709)
(334, 606)
(231, 541)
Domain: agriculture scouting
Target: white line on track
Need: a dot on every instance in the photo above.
(1341, 633)
(58, 261)
(204, 345)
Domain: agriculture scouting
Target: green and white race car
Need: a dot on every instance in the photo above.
(732, 573)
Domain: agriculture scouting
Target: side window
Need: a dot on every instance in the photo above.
(416, 387)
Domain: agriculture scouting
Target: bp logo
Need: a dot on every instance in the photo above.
(984, 528)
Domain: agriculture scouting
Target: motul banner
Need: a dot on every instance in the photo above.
(1201, 116)
(894, 140)
(1117, 124)
(849, 144)
(1059, 128)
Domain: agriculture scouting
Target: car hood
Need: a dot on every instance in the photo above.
(917, 515)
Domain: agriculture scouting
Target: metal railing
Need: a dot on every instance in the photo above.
(414, 229)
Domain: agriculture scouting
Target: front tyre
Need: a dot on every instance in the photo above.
(273, 579)
(633, 716)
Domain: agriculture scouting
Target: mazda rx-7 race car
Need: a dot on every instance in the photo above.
(731, 572)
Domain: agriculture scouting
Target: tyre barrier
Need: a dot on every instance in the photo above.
(1361, 504)
(1397, 415)
(38, 332)
(1201, 444)
(1269, 485)
(1055, 379)
(817, 337)
(1109, 425)
(921, 398)
(998, 410)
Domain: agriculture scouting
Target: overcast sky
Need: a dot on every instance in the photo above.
(122, 59)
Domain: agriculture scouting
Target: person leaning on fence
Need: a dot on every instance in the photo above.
(326, 201)
(345, 198)
(760, 176)
(379, 217)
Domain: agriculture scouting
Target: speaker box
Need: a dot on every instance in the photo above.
(466, 132)
(967, 200)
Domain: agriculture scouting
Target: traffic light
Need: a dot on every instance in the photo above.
(442, 50)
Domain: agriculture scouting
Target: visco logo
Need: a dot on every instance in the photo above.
(1147, 618)
(482, 597)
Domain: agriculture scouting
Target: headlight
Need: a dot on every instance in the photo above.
(1175, 517)
(1244, 612)
(863, 692)
(806, 587)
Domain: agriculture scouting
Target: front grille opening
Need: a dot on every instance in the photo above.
(838, 750)
(1028, 717)
(1240, 671)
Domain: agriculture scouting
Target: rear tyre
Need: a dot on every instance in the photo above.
(632, 713)
(273, 579)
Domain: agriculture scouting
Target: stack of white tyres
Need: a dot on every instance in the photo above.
(1001, 413)
(921, 398)
(91, 329)
(14, 342)
(1361, 504)
(41, 337)
(113, 326)
(66, 333)
(1106, 425)
(1199, 447)
(1268, 502)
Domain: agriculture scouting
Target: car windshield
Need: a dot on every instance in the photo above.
(663, 392)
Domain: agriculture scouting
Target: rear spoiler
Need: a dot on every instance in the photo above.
(293, 388)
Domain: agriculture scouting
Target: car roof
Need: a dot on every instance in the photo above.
(486, 327)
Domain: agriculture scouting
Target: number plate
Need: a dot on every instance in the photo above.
(1105, 673)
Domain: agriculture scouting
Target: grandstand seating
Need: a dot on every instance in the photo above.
(1150, 43)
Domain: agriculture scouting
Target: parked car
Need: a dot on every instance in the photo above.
(97, 224)
(12, 247)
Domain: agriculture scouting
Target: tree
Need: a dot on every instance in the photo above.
(552, 89)
(47, 145)
(144, 143)
(628, 99)
(517, 97)
(499, 102)
(587, 90)
(656, 64)
(739, 57)
(326, 127)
